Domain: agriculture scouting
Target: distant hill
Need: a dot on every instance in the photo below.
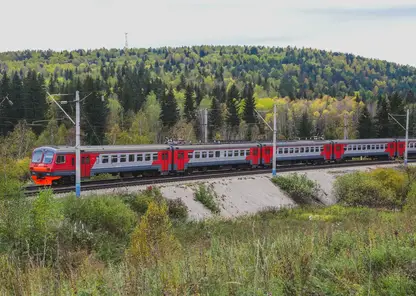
(292, 72)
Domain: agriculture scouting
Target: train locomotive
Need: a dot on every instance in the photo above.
(52, 165)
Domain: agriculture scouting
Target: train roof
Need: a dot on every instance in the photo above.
(106, 148)
(215, 146)
(298, 143)
(359, 141)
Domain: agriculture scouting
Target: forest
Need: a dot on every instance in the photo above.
(137, 96)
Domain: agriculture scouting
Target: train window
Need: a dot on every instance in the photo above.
(154, 156)
(147, 157)
(346, 148)
(307, 149)
(217, 153)
(302, 149)
(37, 157)
(60, 159)
(230, 153)
(204, 154)
(358, 147)
(247, 152)
(139, 157)
(364, 147)
(48, 157)
(131, 158)
(290, 150)
(241, 152)
(210, 154)
(377, 146)
(190, 155)
(280, 151)
(104, 158)
(286, 150)
(322, 148)
(197, 154)
(368, 147)
(373, 147)
(123, 158)
(165, 156)
(296, 150)
(235, 152)
(85, 160)
(114, 158)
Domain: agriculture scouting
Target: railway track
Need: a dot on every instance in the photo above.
(119, 183)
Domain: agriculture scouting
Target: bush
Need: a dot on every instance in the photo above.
(207, 197)
(177, 209)
(363, 189)
(102, 213)
(301, 189)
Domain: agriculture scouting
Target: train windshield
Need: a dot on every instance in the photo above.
(48, 157)
(37, 156)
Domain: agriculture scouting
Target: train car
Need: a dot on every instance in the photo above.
(370, 148)
(411, 148)
(297, 152)
(56, 165)
(189, 158)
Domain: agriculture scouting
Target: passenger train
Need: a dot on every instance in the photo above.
(56, 164)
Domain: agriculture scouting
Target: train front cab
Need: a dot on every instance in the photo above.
(43, 166)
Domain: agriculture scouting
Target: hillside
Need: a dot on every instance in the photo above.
(139, 80)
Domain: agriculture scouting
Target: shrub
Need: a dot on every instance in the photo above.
(101, 213)
(362, 189)
(153, 240)
(177, 209)
(207, 197)
(301, 189)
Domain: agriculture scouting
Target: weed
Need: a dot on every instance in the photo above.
(207, 197)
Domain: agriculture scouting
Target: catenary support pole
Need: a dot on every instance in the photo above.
(206, 125)
(274, 140)
(77, 147)
(407, 138)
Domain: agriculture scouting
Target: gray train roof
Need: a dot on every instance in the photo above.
(359, 141)
(215, 146)
(108, 148)
(298, 143)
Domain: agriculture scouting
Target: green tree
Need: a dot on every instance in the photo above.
(383, 125)
(214, 118)
(169, 114)
(305, 126)
(365, 125)
(189, 106)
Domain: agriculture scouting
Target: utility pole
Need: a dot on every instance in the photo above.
(274, 141)
(407, 132)
(206, 125)
(407, 137)
(345, 126)
(274, 129)
(77, 147)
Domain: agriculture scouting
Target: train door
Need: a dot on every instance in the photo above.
(180, 160)
(85, 163)
(165, 165)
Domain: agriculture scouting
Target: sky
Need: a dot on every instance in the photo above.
(382, 29)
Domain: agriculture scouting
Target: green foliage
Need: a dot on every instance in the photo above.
(152, 240)
(380, 188)
(301, 189)
(208, 198)
(107, 214)
(177, 209)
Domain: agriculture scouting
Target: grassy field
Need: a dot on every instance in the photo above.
(141, 245)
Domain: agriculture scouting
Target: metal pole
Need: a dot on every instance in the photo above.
(274, 140)
(345, 127)
(407, 137)
(206, 125)
(77, 147)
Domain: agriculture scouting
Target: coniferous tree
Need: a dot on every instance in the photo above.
(305, 126)
(397, 107)
(214, 118)
(365, 125)
(249, 115)
(169, 114)
(189, 106)
(233, 92)
(382, 118)
(5, 108)
(232, 119)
